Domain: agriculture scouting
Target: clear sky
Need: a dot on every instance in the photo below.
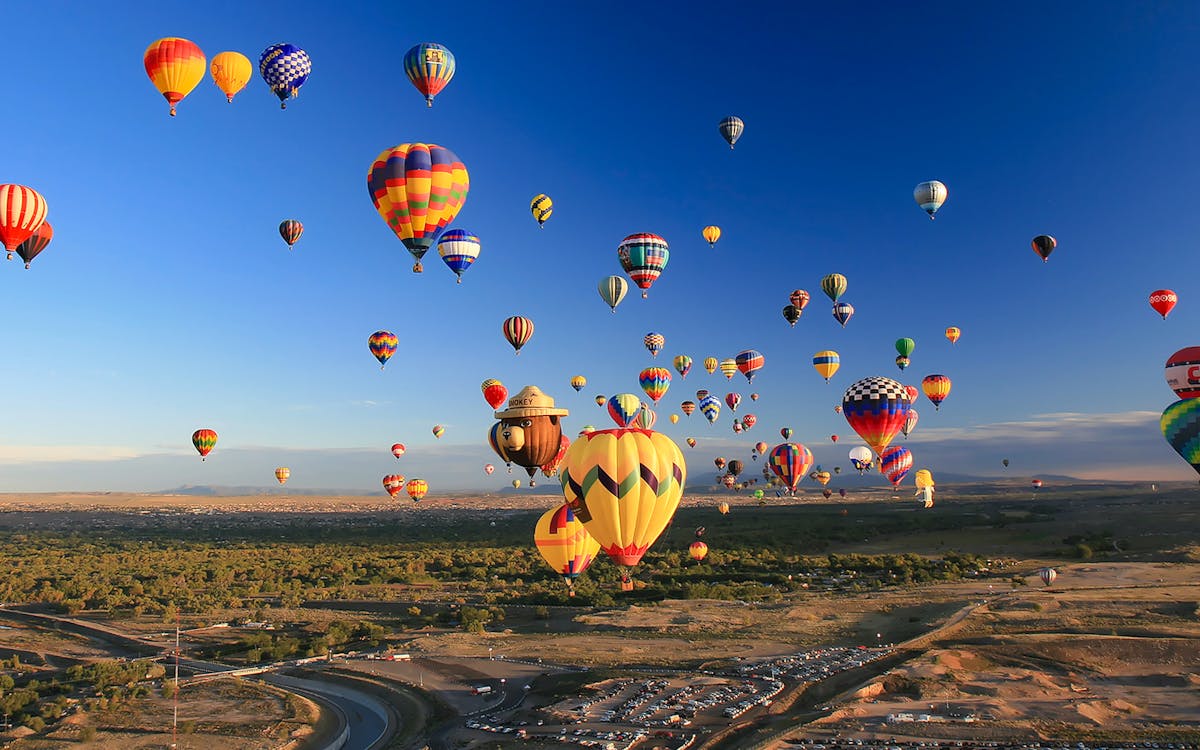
(168, 302)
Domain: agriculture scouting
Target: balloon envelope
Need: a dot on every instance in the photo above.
(876, 409)
(417, 189)
(429, 67)
(564, 543)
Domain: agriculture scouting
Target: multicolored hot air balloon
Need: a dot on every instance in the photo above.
(799, 299)
(842, 312)
(791, 314)
(488, 469)
(564, 543)
(732, 400)
(624, 485)
(786, 433)
(711, 234)
(719, 462)
(826, 363)
(913, 393)
(394, 484)
(697, 550)
(930, 196)
(710, 366)
(953, 333)
(418, 189)
(282, 473)
(1043, 245)
(285, 68)
(22, 211)
(655, 381)
(601, 400)
(834, 285)
(937, 388)
(1163, 301)
(35, 243)
(613, 290)
(624, 408)
(430, 67)
(731, 129)
(1047, 575)
(1183, 372)
(903, 363)
(910, 421)
(1037, 484)
(290, 230)
(550, 468)
(578, 383)
(231, 71)
(683, 365)
(860, 458)
(710, 407)
(541, 207)
(1180, 425)
(458, 249)
(749, 362)
(723, 508)
(494, 392)
(416, 489)
(643, 256)
(646, 418)
(876, 408)
(175, 66)
(790, 462)
(895, 463)
(517, 331)
(398, 449)
(687, 407)
(691, 442)
(760, 449)
(749, 420)
(383, 345)
(438, 431)
(204, 440)
(654, 343)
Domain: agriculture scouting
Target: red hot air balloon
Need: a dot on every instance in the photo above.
(749, 362)
(1163, 301)
(799, 299)
(876, 408)
(834, 438)
(22, 211)
(749, 421)
(517, 331)
(37, 242)
(394, 484)
(1043, 245)
(732, 400)
(398, 450)
(1183, 372)
(494, 393)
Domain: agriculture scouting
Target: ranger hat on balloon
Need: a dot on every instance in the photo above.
(531, 402)
(529, 432)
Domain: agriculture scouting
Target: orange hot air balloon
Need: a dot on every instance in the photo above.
(282, 474)
(22, 212)
(697, 550)
(231, 71)
(204, 440)
(394, 484)
(175, 66)
(416, 489)
(953, 334)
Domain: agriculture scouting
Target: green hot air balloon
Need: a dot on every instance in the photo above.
(904, 347)
(1181, 427)
(834, 285)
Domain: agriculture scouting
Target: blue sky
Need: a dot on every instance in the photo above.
(168, 302)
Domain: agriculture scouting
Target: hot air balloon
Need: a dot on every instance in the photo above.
(799, 299)
(655, 381)
(541, 207)
(826, 493)
(786, 432)
(736, 467)
(790, 462)
(683, 365)
(564, 543)
(687, 407)
(823, 478)
(691, 442)
(711, 234)
(902, 363)
(488, 469)
(624, 408)
(612, 291)
(842, 492)
(731, 129)
(646, 418)
(204, 440)
(833, 438)
(494, 392)
(624, 485)
(732, 400)
(1043, 245)
(697, 550)
(416, 489)
(826, 364)
(285, 68)
(923, 479)
(1047, 575)
(729, 481)
(458, 249)
(904, 347)
(516, 483)
(550, 468)
(586, 428)
(895, 463)
(953, 333)
(383, 345)
(601, 400)
(398, 449)
(710, 365)
(719, 462)
(749, 362)
(1183, 372)
(760, 449)
(643, 256)
(753, 396)
(728, 368)
(529, 431)
(834, 285)
(875, 408)
(737, 426)
(701, 394)
(791, 314)
(749, 420)
(654, 343)
(842, 312)
(35, 243)
(1037, 484)
(674, 419)
(1180, 424)
(710, 407)
(913, 393)
(910, 421)
(578, 382)
(231, 71)
(860, 458)
(930, 196)
(723, 508)
(22, 212)
(282, 473)
(394, 484)
(418, 189)
(290, 230)
(175, 66)
(517, 331)
(430, 67)
(937, 388)
(1163, 301)
(1005, 462)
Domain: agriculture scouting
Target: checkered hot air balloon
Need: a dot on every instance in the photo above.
(285, 68)
(429, 66)
(790, 462)
(876, 409)
(643, 256)
(517, 331)
(418, 189)
(654, 343)
(174, 66)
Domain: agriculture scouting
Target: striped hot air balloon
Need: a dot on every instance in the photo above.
(541, 207)
(731, 129)
(749, 362)
(282, 474)
(175, 66)
(710, 366)
(834, 285)
(290, 230)
(36, 243)
(429, 66)
(383, 345)
(517, 331)
(655, 381)
(418, 189)
(1047, 575)
(578, 382)
(458, 249)
(842, 312)
(613, 290)
(728, 368)
(624, 408)
(643, 256)
(416, 489)
(564, 543)
(895, 463)
(683, 365)
(204, 441)
(937, 388)
(790, 462)
(826, 363)
(285, 68)
(910, 421)
(22, 211)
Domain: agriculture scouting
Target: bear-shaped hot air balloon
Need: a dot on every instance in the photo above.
(529, 433)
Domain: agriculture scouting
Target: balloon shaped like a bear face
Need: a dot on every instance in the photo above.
(530, 441)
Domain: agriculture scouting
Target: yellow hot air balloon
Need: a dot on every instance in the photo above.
(674, 419)
(578, 382)
(729, 368)
(231, 71)
(175, 66)
(282, 474)
(953, 333)
(711, 235)
(541, 207)
(624, 485)
(564, 543)
(823, 477)
(826, 363)
(710, 365)
(723, 508)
